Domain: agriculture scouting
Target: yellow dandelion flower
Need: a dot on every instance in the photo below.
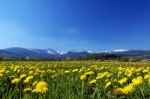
(2, 70)
(16, 69)
(41, 87)
(145, 71)
(31, 72)
(107, 84)
(118, 91)
(92, 81)
(129, 74)
(7, 71)
(99, 77)
(128, 89)
(67, 71)
(75, 70)
(89, 73)
(137, 81)
(123, 80)
(147, 76)
(22, 76)
(34, 83)
(83, 77)
(15, 80)
(27, 80)
(1, 75)
(108, 75)
(27, 89)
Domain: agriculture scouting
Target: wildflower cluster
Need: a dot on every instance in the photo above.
(74, 80)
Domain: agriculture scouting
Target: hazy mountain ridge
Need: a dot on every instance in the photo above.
(17, 52)
(41, 53)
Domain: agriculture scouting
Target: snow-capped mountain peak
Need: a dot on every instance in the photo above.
(115, 51)
(18, 52)
(62, 52)
(51, 52)
(120, 50)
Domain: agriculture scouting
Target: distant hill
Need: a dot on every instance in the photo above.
(17, 52)
(33, 53)
(139, 54)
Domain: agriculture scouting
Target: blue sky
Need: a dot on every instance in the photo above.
(75, 24)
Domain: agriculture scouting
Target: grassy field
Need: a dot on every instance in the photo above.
(74, 80)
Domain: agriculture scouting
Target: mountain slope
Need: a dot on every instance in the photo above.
(33, 53)
(140, 54)
(74, 54)
(8, 55)
(17, 52)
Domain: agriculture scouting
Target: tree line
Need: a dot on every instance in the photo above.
(90, 57)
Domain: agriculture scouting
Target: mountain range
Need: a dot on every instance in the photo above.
(18, 52)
